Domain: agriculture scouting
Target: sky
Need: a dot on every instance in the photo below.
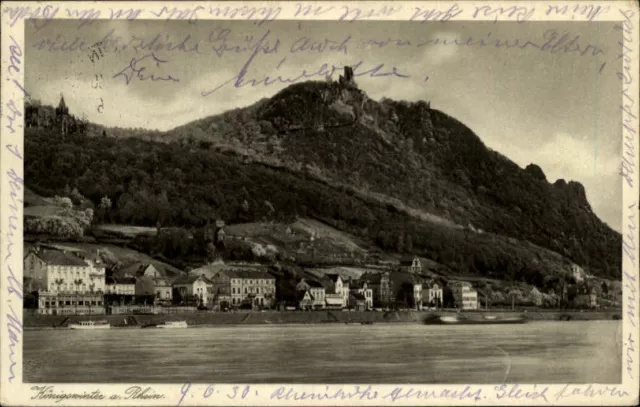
(555, 107)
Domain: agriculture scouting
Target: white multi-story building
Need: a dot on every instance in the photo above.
(198, 287)
(338, 290)
(465, 296)
(432, 295)
(366, 292)
(578, 273)
(417, 295)
(121, 286)
(66, 283)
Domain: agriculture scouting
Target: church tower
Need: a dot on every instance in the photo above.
(62, 116)
(62, 109)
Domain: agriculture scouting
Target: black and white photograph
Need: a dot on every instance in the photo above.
(322, 202)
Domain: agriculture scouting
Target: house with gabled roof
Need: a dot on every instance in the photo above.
(362, 287)
(304, 300)
(411, 264)
(194, 286)
(315, 289)
(336, 291)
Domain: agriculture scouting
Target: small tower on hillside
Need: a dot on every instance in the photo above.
(62, 116)
(347, 79)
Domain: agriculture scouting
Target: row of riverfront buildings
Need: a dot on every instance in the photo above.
(71, 281)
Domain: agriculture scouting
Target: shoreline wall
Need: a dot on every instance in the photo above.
(300, 317)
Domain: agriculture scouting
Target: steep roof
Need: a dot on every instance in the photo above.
(301, 294)
(334, 276)
(132, 270)
(62, 104)
(407, 260)
(138, 269)
(190, 279)
(60, 258)
(161, 282)
(373, 278)
(311, 283)
(249, 274)
(120, 280)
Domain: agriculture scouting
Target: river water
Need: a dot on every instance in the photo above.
(536, 352)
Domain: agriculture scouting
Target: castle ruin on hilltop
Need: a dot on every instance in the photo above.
(39, 116)
(347, 80)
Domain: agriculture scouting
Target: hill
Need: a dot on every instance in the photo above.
(402, 176)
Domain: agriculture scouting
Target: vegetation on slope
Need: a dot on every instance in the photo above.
(372, 169)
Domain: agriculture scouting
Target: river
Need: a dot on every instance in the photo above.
(536, 352)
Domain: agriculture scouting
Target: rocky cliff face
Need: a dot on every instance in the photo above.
(420, 156)
(405, 175)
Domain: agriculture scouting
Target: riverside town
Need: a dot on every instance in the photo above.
(346, 225)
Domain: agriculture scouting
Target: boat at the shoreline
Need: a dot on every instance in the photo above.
(90, 325)
(167, 325)
(461, 320)
(172, 324)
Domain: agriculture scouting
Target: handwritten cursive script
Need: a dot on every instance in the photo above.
(141, 68)
(323, 71)
(14, 333)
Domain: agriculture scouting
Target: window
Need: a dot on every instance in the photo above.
(245, 290)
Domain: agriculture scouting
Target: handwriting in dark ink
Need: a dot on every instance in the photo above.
(138, 69)
(175, 13)
(435, 14)
(591, 11)
(39, 16)
(522, 13)
(353, 13)
(13, 113)
(14, 332)
(268, 14)
(184, 390)
(85, 16)
(15, 53)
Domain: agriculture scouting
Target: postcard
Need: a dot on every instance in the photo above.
(319, 203)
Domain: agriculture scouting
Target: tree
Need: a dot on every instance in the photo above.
(177, 297)
(211, 252)
(63, 202)
(400, 245)
(76, 197)
(408, 243)
(104, 208)
(447, 297)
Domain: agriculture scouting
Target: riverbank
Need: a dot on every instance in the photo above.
(302, 317)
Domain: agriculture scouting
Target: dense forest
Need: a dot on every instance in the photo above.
(368, 168)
